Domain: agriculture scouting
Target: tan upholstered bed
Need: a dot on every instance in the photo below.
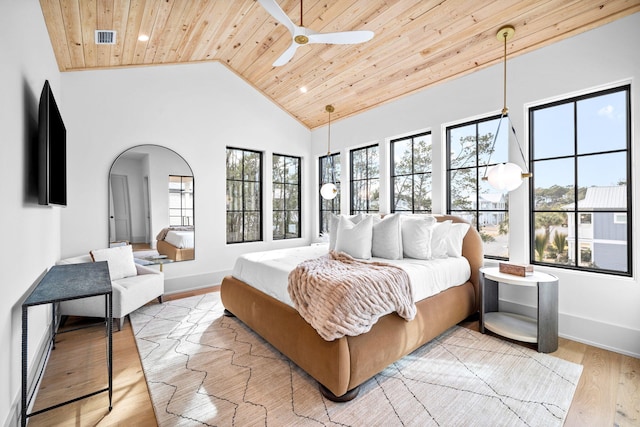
(340, 366)
(176, 243)
(176, 254)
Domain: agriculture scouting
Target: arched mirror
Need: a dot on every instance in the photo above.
(151, 204)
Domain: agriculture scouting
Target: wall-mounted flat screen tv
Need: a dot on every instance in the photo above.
(52, 156)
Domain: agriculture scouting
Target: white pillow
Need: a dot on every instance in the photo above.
(439, 239)
(416, 236)
(455, 237)
(333, 227)
(119, 260)
(355, 239)
(387, 237)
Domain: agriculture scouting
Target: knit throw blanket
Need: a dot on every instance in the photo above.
(339, 295)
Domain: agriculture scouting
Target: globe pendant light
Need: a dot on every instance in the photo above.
(329, 190)
(505, 176)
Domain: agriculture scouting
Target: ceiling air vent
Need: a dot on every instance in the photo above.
(105, 37)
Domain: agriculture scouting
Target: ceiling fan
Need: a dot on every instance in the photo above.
(302, 35)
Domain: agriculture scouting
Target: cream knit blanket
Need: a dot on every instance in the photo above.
(339, 295)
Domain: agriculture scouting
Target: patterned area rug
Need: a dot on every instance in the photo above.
(206, 369)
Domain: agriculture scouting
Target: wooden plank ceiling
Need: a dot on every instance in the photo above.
(417, 43)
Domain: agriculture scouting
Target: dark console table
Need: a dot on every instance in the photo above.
(541, 330)
(61, 283)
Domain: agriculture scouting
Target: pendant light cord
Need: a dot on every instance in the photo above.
(329, 108)
(505, 112)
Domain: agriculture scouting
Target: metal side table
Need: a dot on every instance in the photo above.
(542, 330)
(61, 283)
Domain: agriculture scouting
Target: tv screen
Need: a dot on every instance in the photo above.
(52, 140)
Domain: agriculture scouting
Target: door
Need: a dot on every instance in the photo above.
(147, 209)
(121, 207)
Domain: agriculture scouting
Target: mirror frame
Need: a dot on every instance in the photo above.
(146, 215)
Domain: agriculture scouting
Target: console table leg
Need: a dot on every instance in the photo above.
(23, 418)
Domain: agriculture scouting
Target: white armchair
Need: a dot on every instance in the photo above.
(129, 293)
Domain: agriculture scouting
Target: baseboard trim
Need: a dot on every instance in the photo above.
(616, 338)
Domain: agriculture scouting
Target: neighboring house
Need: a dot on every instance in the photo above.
(602, 232)
(489, 202)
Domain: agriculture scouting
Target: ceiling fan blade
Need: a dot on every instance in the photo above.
(287, 55)
(344, 37)
(278, 14)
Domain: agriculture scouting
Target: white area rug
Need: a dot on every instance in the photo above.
(206, 369)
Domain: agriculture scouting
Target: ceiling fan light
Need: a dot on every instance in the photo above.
(505, 176)
(329, 191)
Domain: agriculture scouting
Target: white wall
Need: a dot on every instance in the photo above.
(31, 232)
(197, 110)
(594, 308)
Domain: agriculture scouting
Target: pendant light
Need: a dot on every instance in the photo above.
(329, 190)
(505, 176)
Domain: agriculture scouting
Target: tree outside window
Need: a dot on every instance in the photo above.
(411, 169)
(286, 197)
(471, 149)
(365, 180)
(329, 167)
(581, 164)
(244, 195)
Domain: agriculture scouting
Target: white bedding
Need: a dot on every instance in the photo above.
(268, 271)
(180, 239)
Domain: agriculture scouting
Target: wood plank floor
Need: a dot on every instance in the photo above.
(608, 393)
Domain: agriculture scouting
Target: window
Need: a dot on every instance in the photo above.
(180, 200)
(411, 174)
(365, 180)
(244, 195)
(580, 189)
(470, 150)
(286, 197)
(327, 207)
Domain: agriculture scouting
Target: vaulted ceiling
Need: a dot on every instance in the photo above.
(417, 43)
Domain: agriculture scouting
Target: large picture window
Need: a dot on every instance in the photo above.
(286, 197)
(365, 180)
(470, 151)
(244, 195)
(411, 169)
(581, 185)
(329, 167)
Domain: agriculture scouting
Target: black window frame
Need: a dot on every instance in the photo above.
(183, 209)
(285, 183)
(413, 174)
(244, 211)
(578, 212)
(325, 214)
(473, 215)
(367, 180)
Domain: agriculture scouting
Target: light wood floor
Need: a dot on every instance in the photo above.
(608, 393)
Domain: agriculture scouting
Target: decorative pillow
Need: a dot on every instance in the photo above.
(387, 237)
(416, 236)
(355, 239)
(455, 237)
(119, 259)
(439, 239)
(333, 227)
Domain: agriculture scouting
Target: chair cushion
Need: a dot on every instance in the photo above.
(120, 260)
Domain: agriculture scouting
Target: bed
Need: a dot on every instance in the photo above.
(176, 243)
(340, 366)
